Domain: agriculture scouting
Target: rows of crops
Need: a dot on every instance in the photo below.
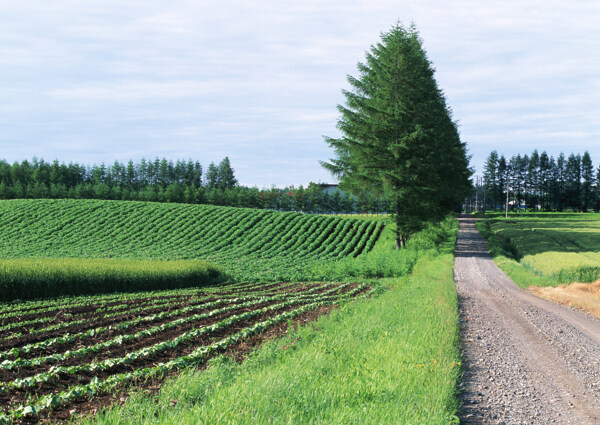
(56, 352)
(249, 244)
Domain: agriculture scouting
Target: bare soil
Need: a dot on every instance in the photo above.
(526, 360)
(582, 296)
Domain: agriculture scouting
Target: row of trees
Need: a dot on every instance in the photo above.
(540, 181)
(133, 177)
(167, 181)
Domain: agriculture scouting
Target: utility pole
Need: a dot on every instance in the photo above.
(506, 198)
(477, 194)
(483, 197)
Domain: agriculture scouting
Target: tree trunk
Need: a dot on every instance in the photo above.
(400, 240)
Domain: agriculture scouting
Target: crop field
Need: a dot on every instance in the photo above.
(250, 244)
(103, 299)
(557, 248)
(54, 352)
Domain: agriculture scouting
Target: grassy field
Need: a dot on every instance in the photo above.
(546, 249)
(390, 360)
(554, 255)
(28, 278)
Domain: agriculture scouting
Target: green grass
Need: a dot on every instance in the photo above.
(546, 249)
(252, 245)
(393, 359)
(28, 278)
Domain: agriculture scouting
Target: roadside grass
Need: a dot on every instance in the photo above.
(392, 359)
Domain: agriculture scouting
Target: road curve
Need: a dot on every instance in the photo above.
(526, 360)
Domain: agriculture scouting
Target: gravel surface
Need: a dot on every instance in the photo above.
(526, 360)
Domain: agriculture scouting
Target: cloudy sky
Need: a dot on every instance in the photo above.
(259, 81)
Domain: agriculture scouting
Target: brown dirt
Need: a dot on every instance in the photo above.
(582, 296)
(89, 407)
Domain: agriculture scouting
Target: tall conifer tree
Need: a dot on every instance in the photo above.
(399, 139)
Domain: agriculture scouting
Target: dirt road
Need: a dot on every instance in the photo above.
(526, 360)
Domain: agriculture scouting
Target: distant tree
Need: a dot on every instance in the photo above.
(561, 165)
(573, 182)
(227, 178)
(212, 176)
(490, 178)
(543, 183)
(587, 176)
(348, 204)
(336, 202)
(597, 190)
(502, 180)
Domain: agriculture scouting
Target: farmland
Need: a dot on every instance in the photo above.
(553, 255)
(56, 351)
(553, 248)
(231, 278)
(250, 244)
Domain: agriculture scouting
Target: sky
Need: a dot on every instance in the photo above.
(259, 81)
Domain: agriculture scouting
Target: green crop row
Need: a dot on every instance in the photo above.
(118, 340)
(45, 277)
(95, 386)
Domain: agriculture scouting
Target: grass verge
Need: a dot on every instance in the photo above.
(393, 359)
(505, 256)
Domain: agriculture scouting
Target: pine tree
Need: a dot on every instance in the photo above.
(399, 139)
(573, 182)
(212, 176)
(490, 177)
(227, 179)
(597, 191)
(587, 175)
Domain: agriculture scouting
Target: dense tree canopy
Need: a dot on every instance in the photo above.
(399, 140)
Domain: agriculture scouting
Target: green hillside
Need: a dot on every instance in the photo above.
(251, 244)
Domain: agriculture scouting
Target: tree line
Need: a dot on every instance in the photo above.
(541, 182)
(162, 180)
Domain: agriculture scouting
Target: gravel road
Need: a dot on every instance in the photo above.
(526, 360)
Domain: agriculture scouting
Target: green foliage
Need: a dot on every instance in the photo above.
(392, 360)
(49, 277)
(399, 139)
(541, 182)
(386, 261)
(546, 249)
